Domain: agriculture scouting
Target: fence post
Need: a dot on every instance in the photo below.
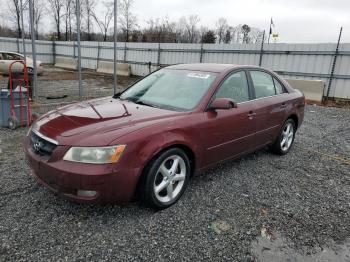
(125, 48)
(333, 66)
(201, 54)
(262, 49)
(17, 45)
(98, 54)
(54, 51)
(158, 59)
(74, 49)
(149, 67)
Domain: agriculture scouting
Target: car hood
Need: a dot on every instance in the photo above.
(99, 121)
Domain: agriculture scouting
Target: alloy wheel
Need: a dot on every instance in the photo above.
(170, 178)
(287, 136)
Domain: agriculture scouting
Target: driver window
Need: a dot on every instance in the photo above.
(234, 87)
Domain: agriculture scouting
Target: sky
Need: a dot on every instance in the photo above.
(304, 21)
(296, 21)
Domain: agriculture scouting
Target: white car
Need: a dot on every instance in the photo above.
(6, 58)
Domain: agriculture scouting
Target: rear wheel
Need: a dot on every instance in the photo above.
(166, 179)
(286, 138)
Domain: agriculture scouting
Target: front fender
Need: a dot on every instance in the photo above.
(140, 152)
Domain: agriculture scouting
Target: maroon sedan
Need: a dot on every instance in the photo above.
(154, 136)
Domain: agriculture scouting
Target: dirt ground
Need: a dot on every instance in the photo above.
(261, 207)
(59, 86)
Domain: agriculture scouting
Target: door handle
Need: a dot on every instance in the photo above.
(251, 114)
(283, 105)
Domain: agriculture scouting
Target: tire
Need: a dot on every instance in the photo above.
(285, 139)
(163, 183)
(12, 122)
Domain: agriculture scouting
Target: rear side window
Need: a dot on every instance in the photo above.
(234, 87)
(279, 87)
(263, 84)
(1, 58)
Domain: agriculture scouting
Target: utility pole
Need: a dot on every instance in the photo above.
(262, 48)
(23, 35)
(79, 49)
(333, 66)
(115, 78)
(270, 30)
(35, 91)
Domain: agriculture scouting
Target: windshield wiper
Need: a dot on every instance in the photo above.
(117, 95)
(140, 102)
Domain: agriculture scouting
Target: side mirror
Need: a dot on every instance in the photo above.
(223, 104)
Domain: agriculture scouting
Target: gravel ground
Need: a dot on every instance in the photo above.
(261, 207)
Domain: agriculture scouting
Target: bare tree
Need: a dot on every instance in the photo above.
(104, 23)
(68, 7)
(38, 14)
(190, 28)
(58, 12)
(159, 31)
(89, 6)
(246, 34)
(14, 7)
(255, 35)
(245, 31)
(127, 19)
(228, 36)
(221, 29)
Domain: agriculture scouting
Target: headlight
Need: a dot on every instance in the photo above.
(95, 155)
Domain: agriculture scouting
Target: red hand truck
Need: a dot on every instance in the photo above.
(24, 100)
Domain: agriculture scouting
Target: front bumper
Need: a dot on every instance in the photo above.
(113, 184)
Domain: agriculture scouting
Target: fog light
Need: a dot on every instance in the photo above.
(86, 193)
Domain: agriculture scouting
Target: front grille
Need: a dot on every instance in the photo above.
(41, 146)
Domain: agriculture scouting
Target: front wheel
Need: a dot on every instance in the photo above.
(166, 179)
(285, 139)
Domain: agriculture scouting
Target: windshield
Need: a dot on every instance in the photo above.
(179, 90)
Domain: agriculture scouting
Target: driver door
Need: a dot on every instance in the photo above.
(230, 133)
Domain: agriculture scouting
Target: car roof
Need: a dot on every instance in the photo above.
(207, 67)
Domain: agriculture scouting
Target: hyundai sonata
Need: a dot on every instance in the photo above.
(155, 135)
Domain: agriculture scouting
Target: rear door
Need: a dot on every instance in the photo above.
(229, 133)
(270, 106)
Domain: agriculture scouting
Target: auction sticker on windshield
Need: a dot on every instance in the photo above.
(198, 75)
